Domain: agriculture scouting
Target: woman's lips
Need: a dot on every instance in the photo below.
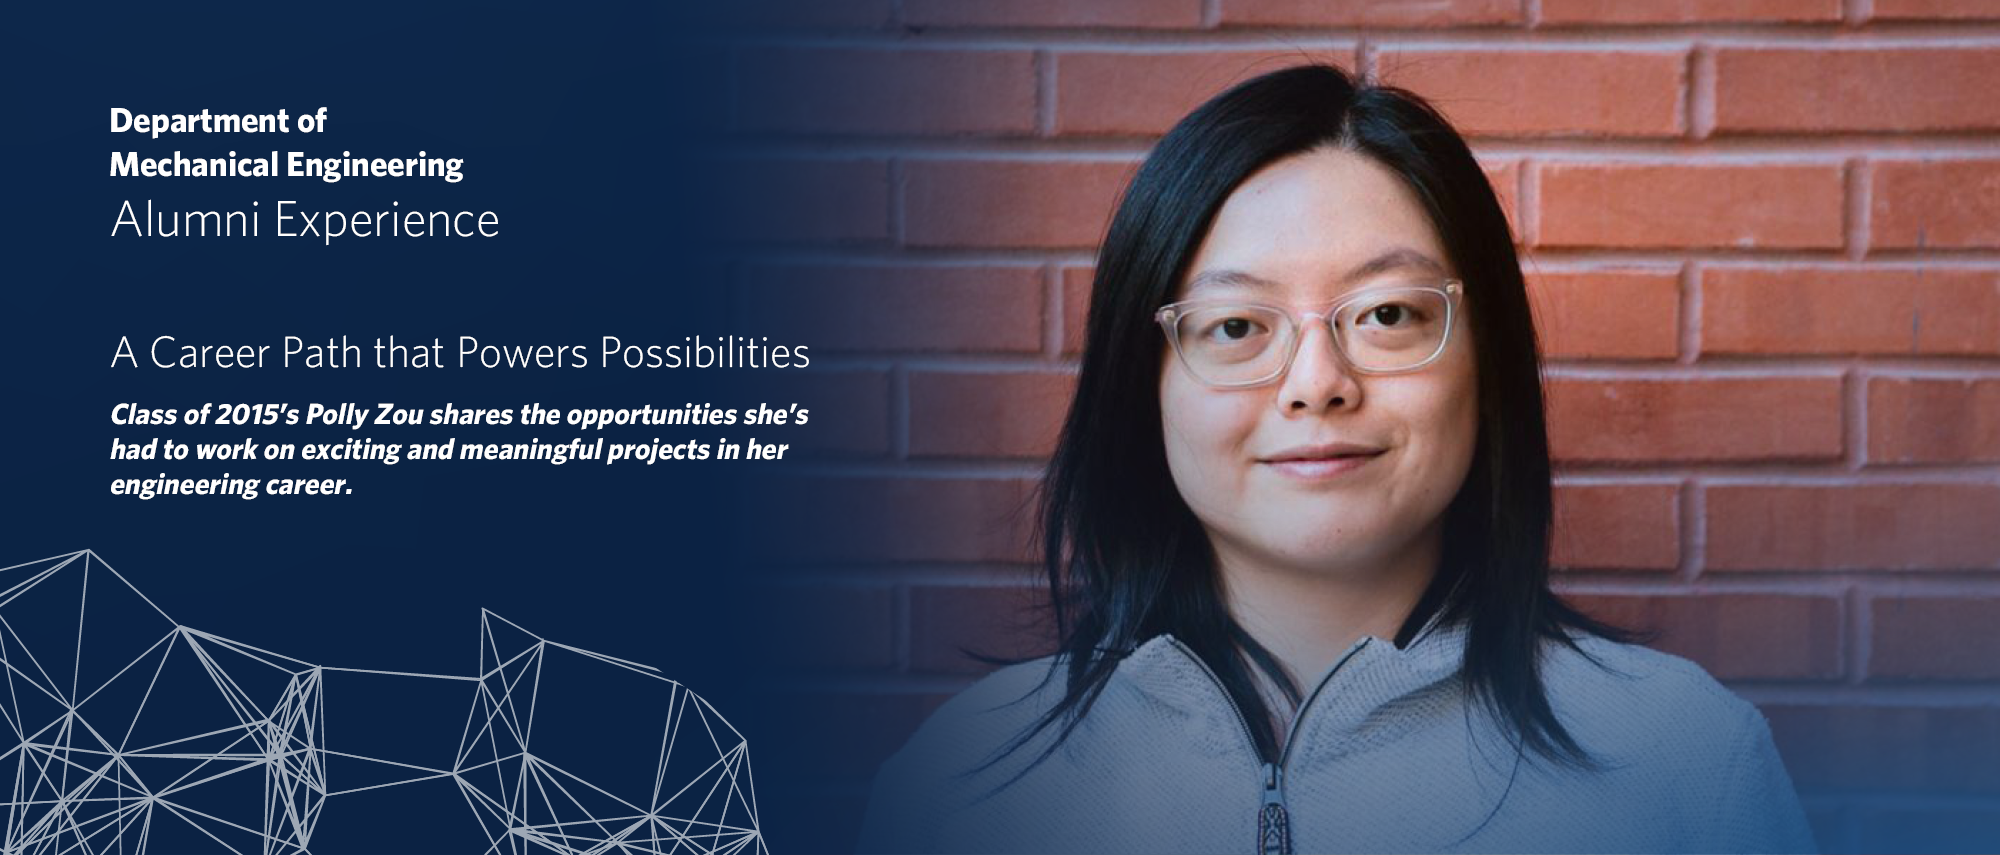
(1319, 467)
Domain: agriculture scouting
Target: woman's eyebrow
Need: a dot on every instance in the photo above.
(1399, 257)
(1393, 259)
(1228, 277)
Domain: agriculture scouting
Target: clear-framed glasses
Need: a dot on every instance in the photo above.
(1384, 330)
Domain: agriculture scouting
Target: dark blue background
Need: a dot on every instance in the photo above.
(586, 132)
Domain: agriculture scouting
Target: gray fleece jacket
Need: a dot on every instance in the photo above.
(1385, 755)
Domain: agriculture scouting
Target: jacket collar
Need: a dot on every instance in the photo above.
(1340, 705)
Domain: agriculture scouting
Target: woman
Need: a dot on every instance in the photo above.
(1297, 539)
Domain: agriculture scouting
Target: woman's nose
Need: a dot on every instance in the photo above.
(1320, 377)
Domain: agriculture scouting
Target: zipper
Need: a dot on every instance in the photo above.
(1274, 824)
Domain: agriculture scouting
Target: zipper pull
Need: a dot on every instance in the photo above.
(1274, 824)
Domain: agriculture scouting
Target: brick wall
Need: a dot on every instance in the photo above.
(1763, 239)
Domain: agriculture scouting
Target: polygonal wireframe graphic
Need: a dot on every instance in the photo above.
(128, 732)
(684, 786)
(127, 726)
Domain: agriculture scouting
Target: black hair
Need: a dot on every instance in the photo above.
(1127, 559)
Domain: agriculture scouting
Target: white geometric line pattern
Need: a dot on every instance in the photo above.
(159, 736)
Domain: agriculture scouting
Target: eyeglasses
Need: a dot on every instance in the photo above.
(1388, 330)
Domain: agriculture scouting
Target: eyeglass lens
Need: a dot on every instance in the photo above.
(1247, 343)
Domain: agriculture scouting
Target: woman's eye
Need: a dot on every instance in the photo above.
(1236, 328)
(1390, 314)
(1233, 329)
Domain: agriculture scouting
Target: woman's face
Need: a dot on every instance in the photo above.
(1252, 462)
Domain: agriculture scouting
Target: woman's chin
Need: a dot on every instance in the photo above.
(1322, 556)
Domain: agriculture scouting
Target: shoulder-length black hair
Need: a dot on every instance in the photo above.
(1126, 557)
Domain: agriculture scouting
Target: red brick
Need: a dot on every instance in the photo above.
(1505, 176)
(871, 91)
(785, 199)
(1591, 12)
(1875, 89)
(1935, 638)
(1853, 527)
(1935, 9)
(1147, 14)
(1933, 420)
(948, 622)
(1146, 92)
(1371, 13)
(1789, 418)
(1876, 748)
(987, 414)
(1735, 636)
(1617, 527)
(1041, 204)
(1608, 314)
(849, 409)
(851, 627)
(1535, 93)
(826, 519)
(1880, 311)
(1762, 206)
(879, 308)
(1076, 283)
(1946, 204)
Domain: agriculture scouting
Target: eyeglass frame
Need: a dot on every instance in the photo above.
(1169, 317)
